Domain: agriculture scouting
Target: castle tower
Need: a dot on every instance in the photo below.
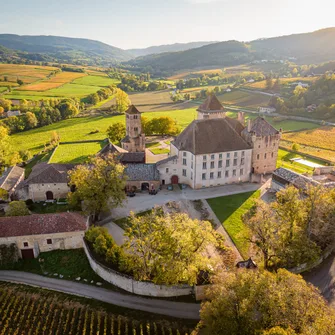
(264, 140)
(211, 109)
(135, 139)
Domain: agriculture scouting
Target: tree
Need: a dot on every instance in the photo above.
(5, 104)
(122, 101)
(20, 82)
(99, 186)
(68, 109)
(54, 139)
(2, 111)
(17, 208)
(168, 248)
(5, 149)
(163, 125)
(249, 303)
(295, 147)
(116, 132)
(269, 83)
(30, 120)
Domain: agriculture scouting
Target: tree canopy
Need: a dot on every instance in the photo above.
(99, 185)
(17, 208)
(168, 248)
(116, 132)
(260, 302)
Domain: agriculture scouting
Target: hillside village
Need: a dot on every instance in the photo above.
(183, 189)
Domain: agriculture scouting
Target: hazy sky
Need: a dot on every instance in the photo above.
(142, 23)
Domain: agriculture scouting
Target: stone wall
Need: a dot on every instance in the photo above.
(129, 284)
(37, 192)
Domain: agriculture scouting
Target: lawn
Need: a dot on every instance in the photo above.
(80, 128)
(152, 145)
(3, 89)
(230, 210)
(160, 151)
(96, 81)
(75, 153)
(284, 160)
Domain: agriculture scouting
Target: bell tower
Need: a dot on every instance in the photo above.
(135, 139)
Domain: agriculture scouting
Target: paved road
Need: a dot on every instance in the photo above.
(323, 277)
(169, 308)
(144, 202)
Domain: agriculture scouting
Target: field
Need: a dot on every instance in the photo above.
(229, 210)
(3, 89)
(79, 129)
(323, 138)
(96, 81)
(187, 74)
(27, 73)
(75, 153)
(261, 85)
(284, 160)
(26, 310)
(244, 99)
(156, 101)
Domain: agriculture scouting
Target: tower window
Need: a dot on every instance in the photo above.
(258, 156)
(272, 155)
(184, 154)
(135, 117)
(265, 156)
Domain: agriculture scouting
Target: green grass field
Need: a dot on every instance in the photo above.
(96, 81)
(79, 129)
(160, 151)
(229, 210)
(152, 145)
(284, 161)
(75, 152)
(244, 99)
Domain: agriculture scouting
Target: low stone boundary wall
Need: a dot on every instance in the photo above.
(129, 284)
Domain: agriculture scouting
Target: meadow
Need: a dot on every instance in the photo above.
(26, 310)
(244, 99)
(75, 153)
(187, 74)
(261, 85)
(93, 80)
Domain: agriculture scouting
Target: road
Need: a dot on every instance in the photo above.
(323, 277)
(170, 308)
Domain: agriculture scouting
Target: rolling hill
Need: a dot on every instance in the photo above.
(167, 48)
(64, 49)
(308, 48)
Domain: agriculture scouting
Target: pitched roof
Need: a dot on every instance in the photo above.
(261, 127)
(49, 173)
(10, 177)
(132, 110)
(111, 148)
(286, 176)
(235, 124)
(211, 104)
(131, 157)
(38, 224)
(142, 172)
(166, 160)
(210, 136)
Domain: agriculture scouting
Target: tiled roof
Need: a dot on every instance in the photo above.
(132, 110)
(111, 148)
(262, 128)
(142, 172)
(38, 224)
(211, 104)
(235, 124)
(10, 178)
(210, 136)
(49, 173)
(286, 176)
(131, 157)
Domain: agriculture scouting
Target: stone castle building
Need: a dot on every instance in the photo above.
(135, 138)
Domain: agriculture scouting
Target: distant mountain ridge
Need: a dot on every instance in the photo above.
(307, 48)
(167, 48)
(66, 49)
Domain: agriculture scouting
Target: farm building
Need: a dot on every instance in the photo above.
(46, 182)
(142, 177)
(10, 179)
(35, 233)
(267, 110)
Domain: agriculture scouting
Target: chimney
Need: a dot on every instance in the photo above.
(249, 126)
(241, 118)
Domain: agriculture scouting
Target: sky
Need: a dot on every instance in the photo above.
(141, 23)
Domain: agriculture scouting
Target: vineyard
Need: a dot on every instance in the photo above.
(28, 313)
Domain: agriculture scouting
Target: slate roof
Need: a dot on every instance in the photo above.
(211, 104)
(262, 128)
(132, 110)
(210, 136)
(10, 177)
(235, 124)
(123, 155)
(38, 224)
(286, 176)
(142, 172)
(45, 173)
(111, 148)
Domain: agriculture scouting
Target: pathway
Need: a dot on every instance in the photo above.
(142, 202)
(164, 307)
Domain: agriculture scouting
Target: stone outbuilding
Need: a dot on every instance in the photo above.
(46, 182)
(10, 180)
(142, 177)
(37, 233)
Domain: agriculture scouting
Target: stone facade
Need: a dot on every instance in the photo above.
(135, 139)
(199, 171)
(46, 242)
(42, 192)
